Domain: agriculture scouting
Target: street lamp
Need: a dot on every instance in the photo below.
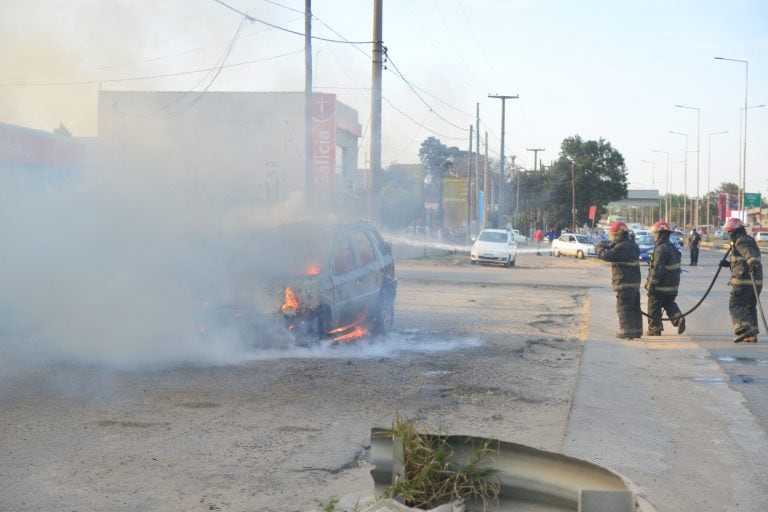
(653, 180)
(744, 146)
(742, 182)
(698, 152)
(666, 203)
(709, 170)
(685, 177)
(678, 202)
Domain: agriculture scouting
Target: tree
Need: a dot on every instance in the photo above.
(438, 160)
(62, 130)
(600, 177)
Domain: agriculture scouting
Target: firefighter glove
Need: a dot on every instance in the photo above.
(725, 263)
(754, 264)
(649, 287)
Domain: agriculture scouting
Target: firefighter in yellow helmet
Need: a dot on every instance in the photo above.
(663, 281)
(745, 266)
(624, 256)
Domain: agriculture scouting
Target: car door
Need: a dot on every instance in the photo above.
(344, 275)
(369, 274)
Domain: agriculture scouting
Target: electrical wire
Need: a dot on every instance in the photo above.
(408, 83)
(148, 77)
(453, 42)
(222, 60)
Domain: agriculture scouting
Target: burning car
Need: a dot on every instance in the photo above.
(315, 280)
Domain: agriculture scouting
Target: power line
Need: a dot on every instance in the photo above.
(241, 13)
(408, 83)
(148, 77)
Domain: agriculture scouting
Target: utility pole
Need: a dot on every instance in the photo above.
(485, 184)
(477, 159)
(308, 178)
(535, 155)
(377, 64)
(469, 185)
(573, 194)
(501, 153)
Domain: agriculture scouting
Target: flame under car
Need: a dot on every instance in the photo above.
(315, 280)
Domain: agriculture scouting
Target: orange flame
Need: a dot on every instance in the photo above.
(350, 332)
(290, 303)
(355, 334)
(313, 269)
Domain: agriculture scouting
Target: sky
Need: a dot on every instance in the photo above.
(598, 69)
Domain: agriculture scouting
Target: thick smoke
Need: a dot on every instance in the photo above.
(114, 271)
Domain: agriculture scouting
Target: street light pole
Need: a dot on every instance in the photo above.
(667, 202)
(744, 146)
(709, 170)
(535, 155)
(653, 180)
(685, 178)
(698, 152)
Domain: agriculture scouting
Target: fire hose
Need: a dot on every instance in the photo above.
(719, 267)
(757, 298)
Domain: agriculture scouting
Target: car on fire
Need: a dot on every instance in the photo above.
(317, 280)
(573, 244)
(494, 246)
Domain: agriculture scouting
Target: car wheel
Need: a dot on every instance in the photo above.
(384, 316)
(580, 255)
(512, 262)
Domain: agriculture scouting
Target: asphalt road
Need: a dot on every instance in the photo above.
(710, 325)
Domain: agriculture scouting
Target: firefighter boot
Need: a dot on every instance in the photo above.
(680, 324)
(747, 335)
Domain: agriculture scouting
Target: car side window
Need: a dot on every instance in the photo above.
(383, 247)
(343, 257)
(363, 247)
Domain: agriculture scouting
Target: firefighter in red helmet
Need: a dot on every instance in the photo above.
(624, 256)
(663, 281)
(745, 266)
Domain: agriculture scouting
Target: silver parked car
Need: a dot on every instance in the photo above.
(573, 244)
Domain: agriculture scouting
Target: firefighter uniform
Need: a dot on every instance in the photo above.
(624, 256)
(662, 286)
(745, 265)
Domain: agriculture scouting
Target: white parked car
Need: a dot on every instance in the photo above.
(573, 244)
(518, 238)
(494, 246)
(760, 236)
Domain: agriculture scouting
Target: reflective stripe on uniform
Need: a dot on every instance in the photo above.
(665, 289)
(674, 266)
(626, 286)
(744, 282)
(628, 263)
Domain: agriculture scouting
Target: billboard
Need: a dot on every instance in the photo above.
(324, 141)
(455, 202)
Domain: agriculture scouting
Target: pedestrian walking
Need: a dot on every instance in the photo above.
(624, 256)
(694, 240)
(663, 281)
(746, 281)
(538, 236)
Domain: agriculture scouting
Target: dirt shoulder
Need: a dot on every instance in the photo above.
(284, 428)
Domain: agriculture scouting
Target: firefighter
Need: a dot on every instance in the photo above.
(624, 256)
(745, 266)
(694, 240)
(663, 281)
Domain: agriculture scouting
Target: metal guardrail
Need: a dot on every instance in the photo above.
(531, 479)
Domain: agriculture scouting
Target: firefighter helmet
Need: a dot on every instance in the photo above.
(732, 224)
(660, 227)
(618, 227)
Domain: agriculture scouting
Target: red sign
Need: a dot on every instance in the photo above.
(26, 146)
(324, 141)
(592, 212)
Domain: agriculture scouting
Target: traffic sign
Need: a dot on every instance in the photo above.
(751, 200)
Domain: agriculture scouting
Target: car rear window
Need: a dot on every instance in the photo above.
(493, 236)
